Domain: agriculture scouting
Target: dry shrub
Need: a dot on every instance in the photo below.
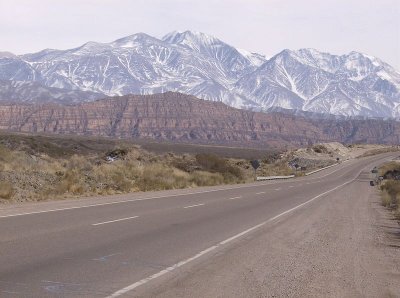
(186, 165)
(124, 177)
(15, 160)
(391, 189)
(385, 198)
(79, 162)
(388, 167)
(5, 154)
(215, 164)
(54, 167)
(181, 179)
(6, 190)
(320, 149)
(212, 163)
(71, 182)
(120, 176)
(201, 178)
(161, 177)
(117, 153)
(277, 168)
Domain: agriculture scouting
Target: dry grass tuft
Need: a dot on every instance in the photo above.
(6, 190)
(201, 178)
(392, 189)
(385, 199)
(162, 177)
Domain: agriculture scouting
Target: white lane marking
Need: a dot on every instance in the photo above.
(115, 220)
(277, 189)
(260, 193)
(181, 263)
(291, 186)
(191, 206)
(136, 200)
(10, 292)
(105, 258)
(234, 198)
(59, 282)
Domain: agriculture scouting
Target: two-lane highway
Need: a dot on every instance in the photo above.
(101, 247)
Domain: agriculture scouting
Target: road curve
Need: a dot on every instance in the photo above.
(129, 245)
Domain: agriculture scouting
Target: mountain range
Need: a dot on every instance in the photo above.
(177, 117)
(198, 64)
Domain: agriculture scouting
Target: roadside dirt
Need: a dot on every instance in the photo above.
(333, 150)
(342, 245)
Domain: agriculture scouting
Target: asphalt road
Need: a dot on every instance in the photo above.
(128, 245)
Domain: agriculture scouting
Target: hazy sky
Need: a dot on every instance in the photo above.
(264, 26)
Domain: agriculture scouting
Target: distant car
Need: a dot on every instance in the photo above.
(372, 183)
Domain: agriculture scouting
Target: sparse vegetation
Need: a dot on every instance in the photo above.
(60, 167)
(390, 194)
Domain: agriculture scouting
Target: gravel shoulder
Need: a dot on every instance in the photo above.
(342, 245)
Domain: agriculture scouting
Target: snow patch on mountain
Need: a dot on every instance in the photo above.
(203, 65)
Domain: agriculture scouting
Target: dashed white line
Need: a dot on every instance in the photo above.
(132, 200)
(115, 220)
(200, 254)
(234, 198)
(191, 206)
(291, 186)
(277, 189)
(260, 193)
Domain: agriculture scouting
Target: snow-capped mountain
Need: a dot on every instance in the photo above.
(204, 66)
(30, 92)
(351, 85)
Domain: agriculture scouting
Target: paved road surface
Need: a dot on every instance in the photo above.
(255, 240)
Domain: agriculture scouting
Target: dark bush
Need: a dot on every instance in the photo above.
(117, 153)
(214, 164)
(320, 149)
(392, 187)
(188, 166)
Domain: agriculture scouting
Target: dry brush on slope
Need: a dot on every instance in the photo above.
(40, 168)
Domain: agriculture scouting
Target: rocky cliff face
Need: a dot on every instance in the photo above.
(177, 117)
